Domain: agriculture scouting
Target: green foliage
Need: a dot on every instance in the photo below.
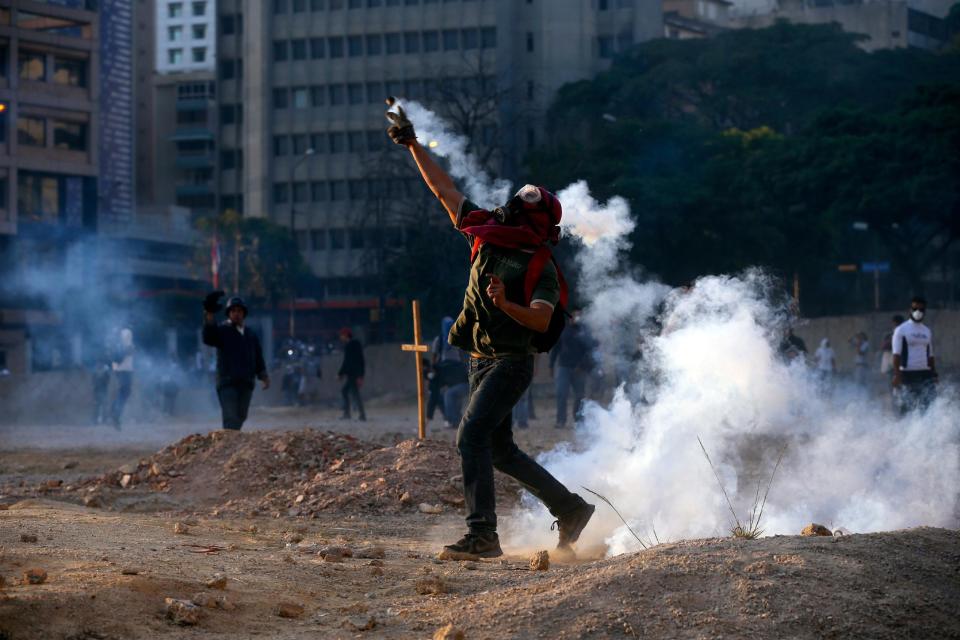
(271, 268)
(761, 147)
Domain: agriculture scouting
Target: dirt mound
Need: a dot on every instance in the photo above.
(286, 473)
(387, 480)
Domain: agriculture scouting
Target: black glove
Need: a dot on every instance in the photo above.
(401, 131)
(211, 304)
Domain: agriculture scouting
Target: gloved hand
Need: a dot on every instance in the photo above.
(401, 130)
(211, 304)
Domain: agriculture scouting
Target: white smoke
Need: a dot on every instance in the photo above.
(712, 371)
(464, 167)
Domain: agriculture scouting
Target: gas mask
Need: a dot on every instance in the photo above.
(509, 213)
(917, 315)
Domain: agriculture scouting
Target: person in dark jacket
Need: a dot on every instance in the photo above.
(570, 362)
(351, 374)
(239, 358)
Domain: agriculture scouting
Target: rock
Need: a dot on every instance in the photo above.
(814, 529)
(368, 553)
(128, 469)
(430, 586)
(252, 529)
(289, 610)
(126, 480)
(182, 612)
(540, 561)
(28, 537)
(70, 464)
(406, 498)
(292, 538)
(34, 576)
(156, 469)
(129, 571)
(376, 562)
(360, 623)
(218, 581)
(430, 508)
(376, 571)
(330, 556)
(181, 529)
(448, 632)
(342, 551)
(211, 601)
(92, 501)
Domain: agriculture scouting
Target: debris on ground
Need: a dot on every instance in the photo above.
(289, 610)
(182, 612)
(217, 581)
(34, 576)
(814, 529)
(540, 561)
(28, 537)
(181, 529)
(448, 632)
(430, 586)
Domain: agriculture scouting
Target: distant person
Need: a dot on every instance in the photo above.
(239, 358)
(351, 374)
(101, 383)
(861, 352)
(792, 346)
(571, 361)
(443, 356)
(170, 385)
(826, 362)
(886, 347)
(123, 372)
(914, 370)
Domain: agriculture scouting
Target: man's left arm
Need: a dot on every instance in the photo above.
(535, 317)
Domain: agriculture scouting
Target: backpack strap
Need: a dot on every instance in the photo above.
(535, 270)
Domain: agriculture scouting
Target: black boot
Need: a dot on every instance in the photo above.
(474, 545)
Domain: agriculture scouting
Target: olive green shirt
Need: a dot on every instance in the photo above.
(481, 327)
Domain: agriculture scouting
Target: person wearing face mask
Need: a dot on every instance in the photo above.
(508, 308)
(914, 370)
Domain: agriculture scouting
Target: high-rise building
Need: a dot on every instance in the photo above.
(185, 36)
(302, 83)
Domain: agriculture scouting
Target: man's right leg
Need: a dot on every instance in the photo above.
(345, 392)
(229, 407)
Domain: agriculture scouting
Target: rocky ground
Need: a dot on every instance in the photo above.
(311, 533)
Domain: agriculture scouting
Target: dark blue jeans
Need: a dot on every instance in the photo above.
(485, 442)
(234, 404)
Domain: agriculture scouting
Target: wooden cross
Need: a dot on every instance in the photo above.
(417, 348)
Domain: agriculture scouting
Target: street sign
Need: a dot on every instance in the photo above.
(879, 267)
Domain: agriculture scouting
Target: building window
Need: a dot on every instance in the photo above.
(300, 97)
(199, 31)
(338, 238)
(279, 6)
(299, 6)
(280, 193)
(605, 45)
(338, 190)
(336, 4)
(174, 34)
(451, 39)
(337, 142)
(175, 56)
(318, 239)
(175, 10)
(281, 146)
(337, 94)
(355, 93)
(298, 49)
(279, 50)
(299, 144)
(374, 44)
(317, 48)
(199, 54)
(411, 42)
(53, 25)
(280, 98)
(318, 96)
(228, 114)
(69, 135)
(358, 191)
(228, 25)
(488, 38)
(301, 192)
(318, 142)
(471, 38)
(356, 142)
(335, 46)
(413, 89)
(317, 5)
(228, 69)
(529, 41)
(375, 94)
(374, 3)
(38, 196)
(431, 41)
(355, 46)
(356, 238)
(318, 191)
(31, 132)
(375, 140)
(70, 71)
(392, 43)
(604, 5)
(32, 65)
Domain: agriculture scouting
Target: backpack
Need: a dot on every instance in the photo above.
(545, 341)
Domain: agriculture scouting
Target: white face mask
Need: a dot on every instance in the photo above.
(917, 315)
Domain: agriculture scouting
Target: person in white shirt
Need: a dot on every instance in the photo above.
(123, 373)
(826, 362)
(861, 347)
(914, 369)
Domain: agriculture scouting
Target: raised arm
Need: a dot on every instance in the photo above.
(440, 183)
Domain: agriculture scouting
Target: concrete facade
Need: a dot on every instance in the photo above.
(185, 36)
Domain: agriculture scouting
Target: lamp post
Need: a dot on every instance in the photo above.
(293, 231)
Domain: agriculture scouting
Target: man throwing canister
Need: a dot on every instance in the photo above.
(503, 312)
(239, 358)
